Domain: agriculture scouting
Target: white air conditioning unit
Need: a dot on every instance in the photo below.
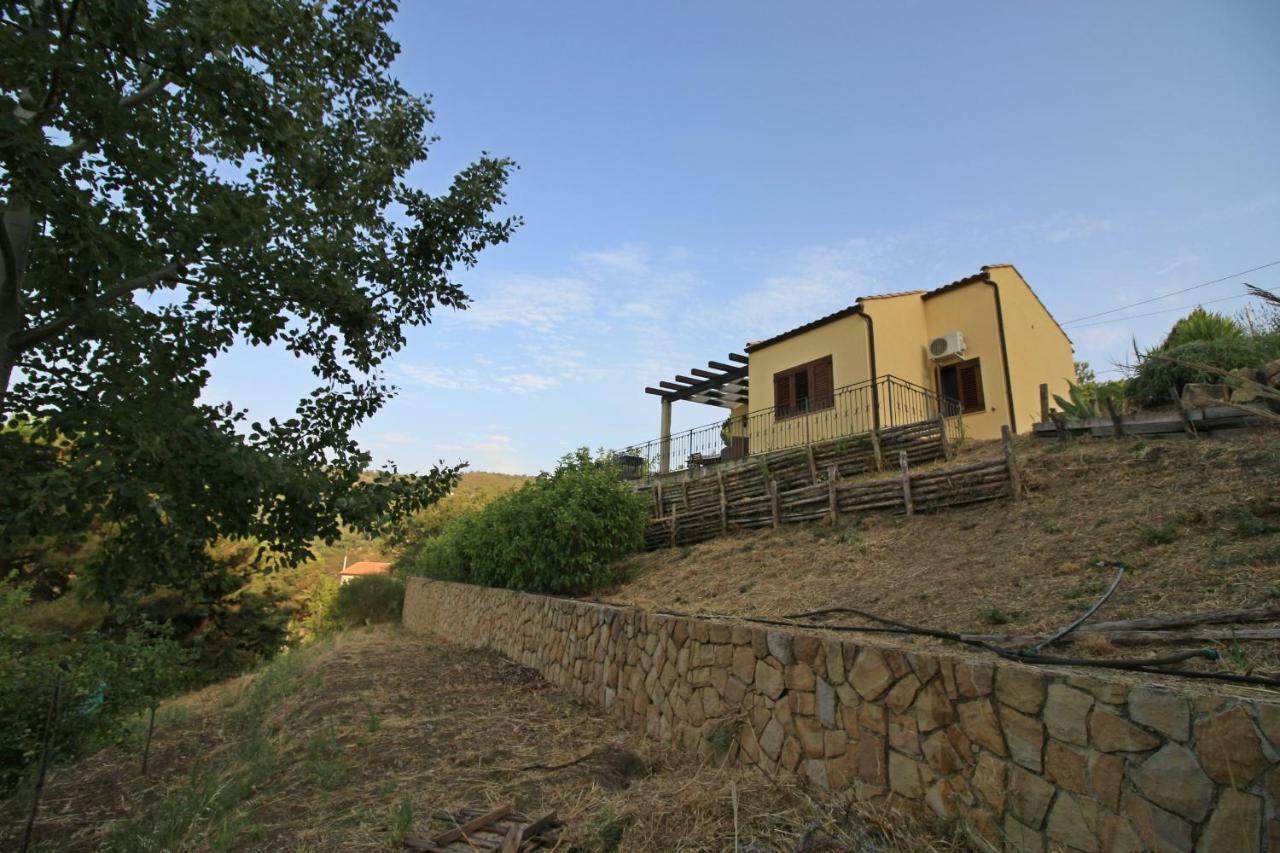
(949, 347)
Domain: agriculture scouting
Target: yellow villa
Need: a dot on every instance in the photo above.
(974, 351)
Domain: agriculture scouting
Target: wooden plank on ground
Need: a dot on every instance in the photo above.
(458, 832)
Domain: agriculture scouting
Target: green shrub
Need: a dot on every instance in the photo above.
(364, 601)
(102, 683)
(558, 533)
(1202, 325)
(1157, 377)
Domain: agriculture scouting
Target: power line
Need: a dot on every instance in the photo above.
(1164, 311)
(1171, 293)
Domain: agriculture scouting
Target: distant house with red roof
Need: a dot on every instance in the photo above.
(363, 568)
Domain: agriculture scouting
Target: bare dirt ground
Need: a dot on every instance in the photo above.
(1196, 521)
(355, 743)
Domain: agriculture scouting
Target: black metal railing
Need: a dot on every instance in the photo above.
(849, 410)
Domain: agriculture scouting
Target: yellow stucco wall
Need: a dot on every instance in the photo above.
(1039, 351)
(845, 340)
(971, 310)
(901, 331)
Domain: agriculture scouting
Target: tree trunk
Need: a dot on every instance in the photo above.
(15, 242)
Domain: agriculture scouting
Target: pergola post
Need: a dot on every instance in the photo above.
(664, 458)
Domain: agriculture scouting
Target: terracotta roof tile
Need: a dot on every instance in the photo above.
(365, 567)
(889, 295)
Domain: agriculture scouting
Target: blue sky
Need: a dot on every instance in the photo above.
(694, 176)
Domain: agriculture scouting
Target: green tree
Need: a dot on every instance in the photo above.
(176, 178)
(558, 533)
(1202, 325)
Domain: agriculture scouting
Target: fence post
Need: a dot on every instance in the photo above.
(684, 495)
(833, 500)
(813, 466)
(906, 482)
(1044, 403)
(673, 527)
(664, 443)
(875, 449)
(1060, 427)
(1117, 425)
(942, 437)
(1011, 463)
(657, 491)
(775, 504)
(724, 503)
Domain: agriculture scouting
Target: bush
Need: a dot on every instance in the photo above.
(558, 533)
(1202, 325)
(102, 683)
(1155, 377)
(364, 601)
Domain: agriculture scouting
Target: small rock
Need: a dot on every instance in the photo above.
(870, 675)
(826, 704)
(780, 647)
(1118, 836)
(1070, 824)
(933, 707)
(1173, 780)
(1230, 748)
(871, 759)
(1106, 774)
(806, 648)
(1025, 736)
(1158, 829)
(1116, 734)
(904, 776)
(1161, 710)
(1066, 714)
(1236, 825)
(1066, 767)
(902, 694)
(978, 721)
(1202, 395)
(1020, 687)
(988, 779)
(768, 680)
(1028, 797)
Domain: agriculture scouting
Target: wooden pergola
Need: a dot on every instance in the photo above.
(723, 385)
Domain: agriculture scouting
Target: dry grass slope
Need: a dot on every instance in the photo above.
(355, 743)
(1198, 522)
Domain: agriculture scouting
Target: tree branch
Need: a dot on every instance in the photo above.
(127, 102)
(20, 341)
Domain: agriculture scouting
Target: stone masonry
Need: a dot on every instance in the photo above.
(1031, 759)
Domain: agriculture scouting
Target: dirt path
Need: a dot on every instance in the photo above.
(353, 744)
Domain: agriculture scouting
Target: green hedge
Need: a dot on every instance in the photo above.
(364, 601)
(559, 533)
(1156, 379)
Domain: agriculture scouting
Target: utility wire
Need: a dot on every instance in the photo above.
(1164, 311)
(1172, 293)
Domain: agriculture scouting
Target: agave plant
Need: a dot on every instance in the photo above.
(1202, 325)
(1080, 406)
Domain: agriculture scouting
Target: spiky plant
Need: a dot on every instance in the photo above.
(1202, 325)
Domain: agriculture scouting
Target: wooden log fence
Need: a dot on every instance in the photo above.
(788, 488)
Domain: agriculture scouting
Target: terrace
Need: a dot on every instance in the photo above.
(847, 411)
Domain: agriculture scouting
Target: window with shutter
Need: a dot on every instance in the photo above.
(806, 388)
(962, 383)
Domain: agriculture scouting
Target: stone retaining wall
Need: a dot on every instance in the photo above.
(1031, 759)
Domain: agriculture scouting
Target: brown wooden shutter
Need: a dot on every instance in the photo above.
(970, 380)
(822, 384)
(782, 393)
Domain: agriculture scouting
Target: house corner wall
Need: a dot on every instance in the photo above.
(1039, 351)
